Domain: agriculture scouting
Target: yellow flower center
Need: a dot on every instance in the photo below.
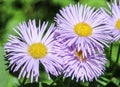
(83, 29)
(80, 56)
(37, 50)
(118, 24)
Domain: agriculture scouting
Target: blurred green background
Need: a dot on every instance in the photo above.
(12, 12)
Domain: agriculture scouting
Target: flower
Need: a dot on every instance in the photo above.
(83, 27)
(32, 46)
(114, 20)
(79, 67)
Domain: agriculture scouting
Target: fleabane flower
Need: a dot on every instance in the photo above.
(83, 27)
(114, 21)
(32, 46)
(80, 67)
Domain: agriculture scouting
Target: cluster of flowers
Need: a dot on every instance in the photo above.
(75, 47)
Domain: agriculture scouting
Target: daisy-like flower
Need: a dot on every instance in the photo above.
(79, 67)
(114, 21)
(83, 27)
(32, 46)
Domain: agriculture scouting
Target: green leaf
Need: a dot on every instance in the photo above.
(3, 72)
(101, 82)
(6, 80)
(114, 52)
(12, 81)
(44, 78)
(116, 81)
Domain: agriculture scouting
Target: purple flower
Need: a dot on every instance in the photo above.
(80, 67)
(84, 27)
(33, 46)
(114, 19)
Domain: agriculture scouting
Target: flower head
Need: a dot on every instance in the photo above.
(80, 67)
(32, 46)
(114, 20)
(83, 27)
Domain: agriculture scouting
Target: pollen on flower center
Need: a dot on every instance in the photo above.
(80, 56)
(83, 29)
(37, 50)
(118, 24)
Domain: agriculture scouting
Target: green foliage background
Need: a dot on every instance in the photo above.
(12, 12)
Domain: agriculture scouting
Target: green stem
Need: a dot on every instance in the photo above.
(117, 59)
(118, 54)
